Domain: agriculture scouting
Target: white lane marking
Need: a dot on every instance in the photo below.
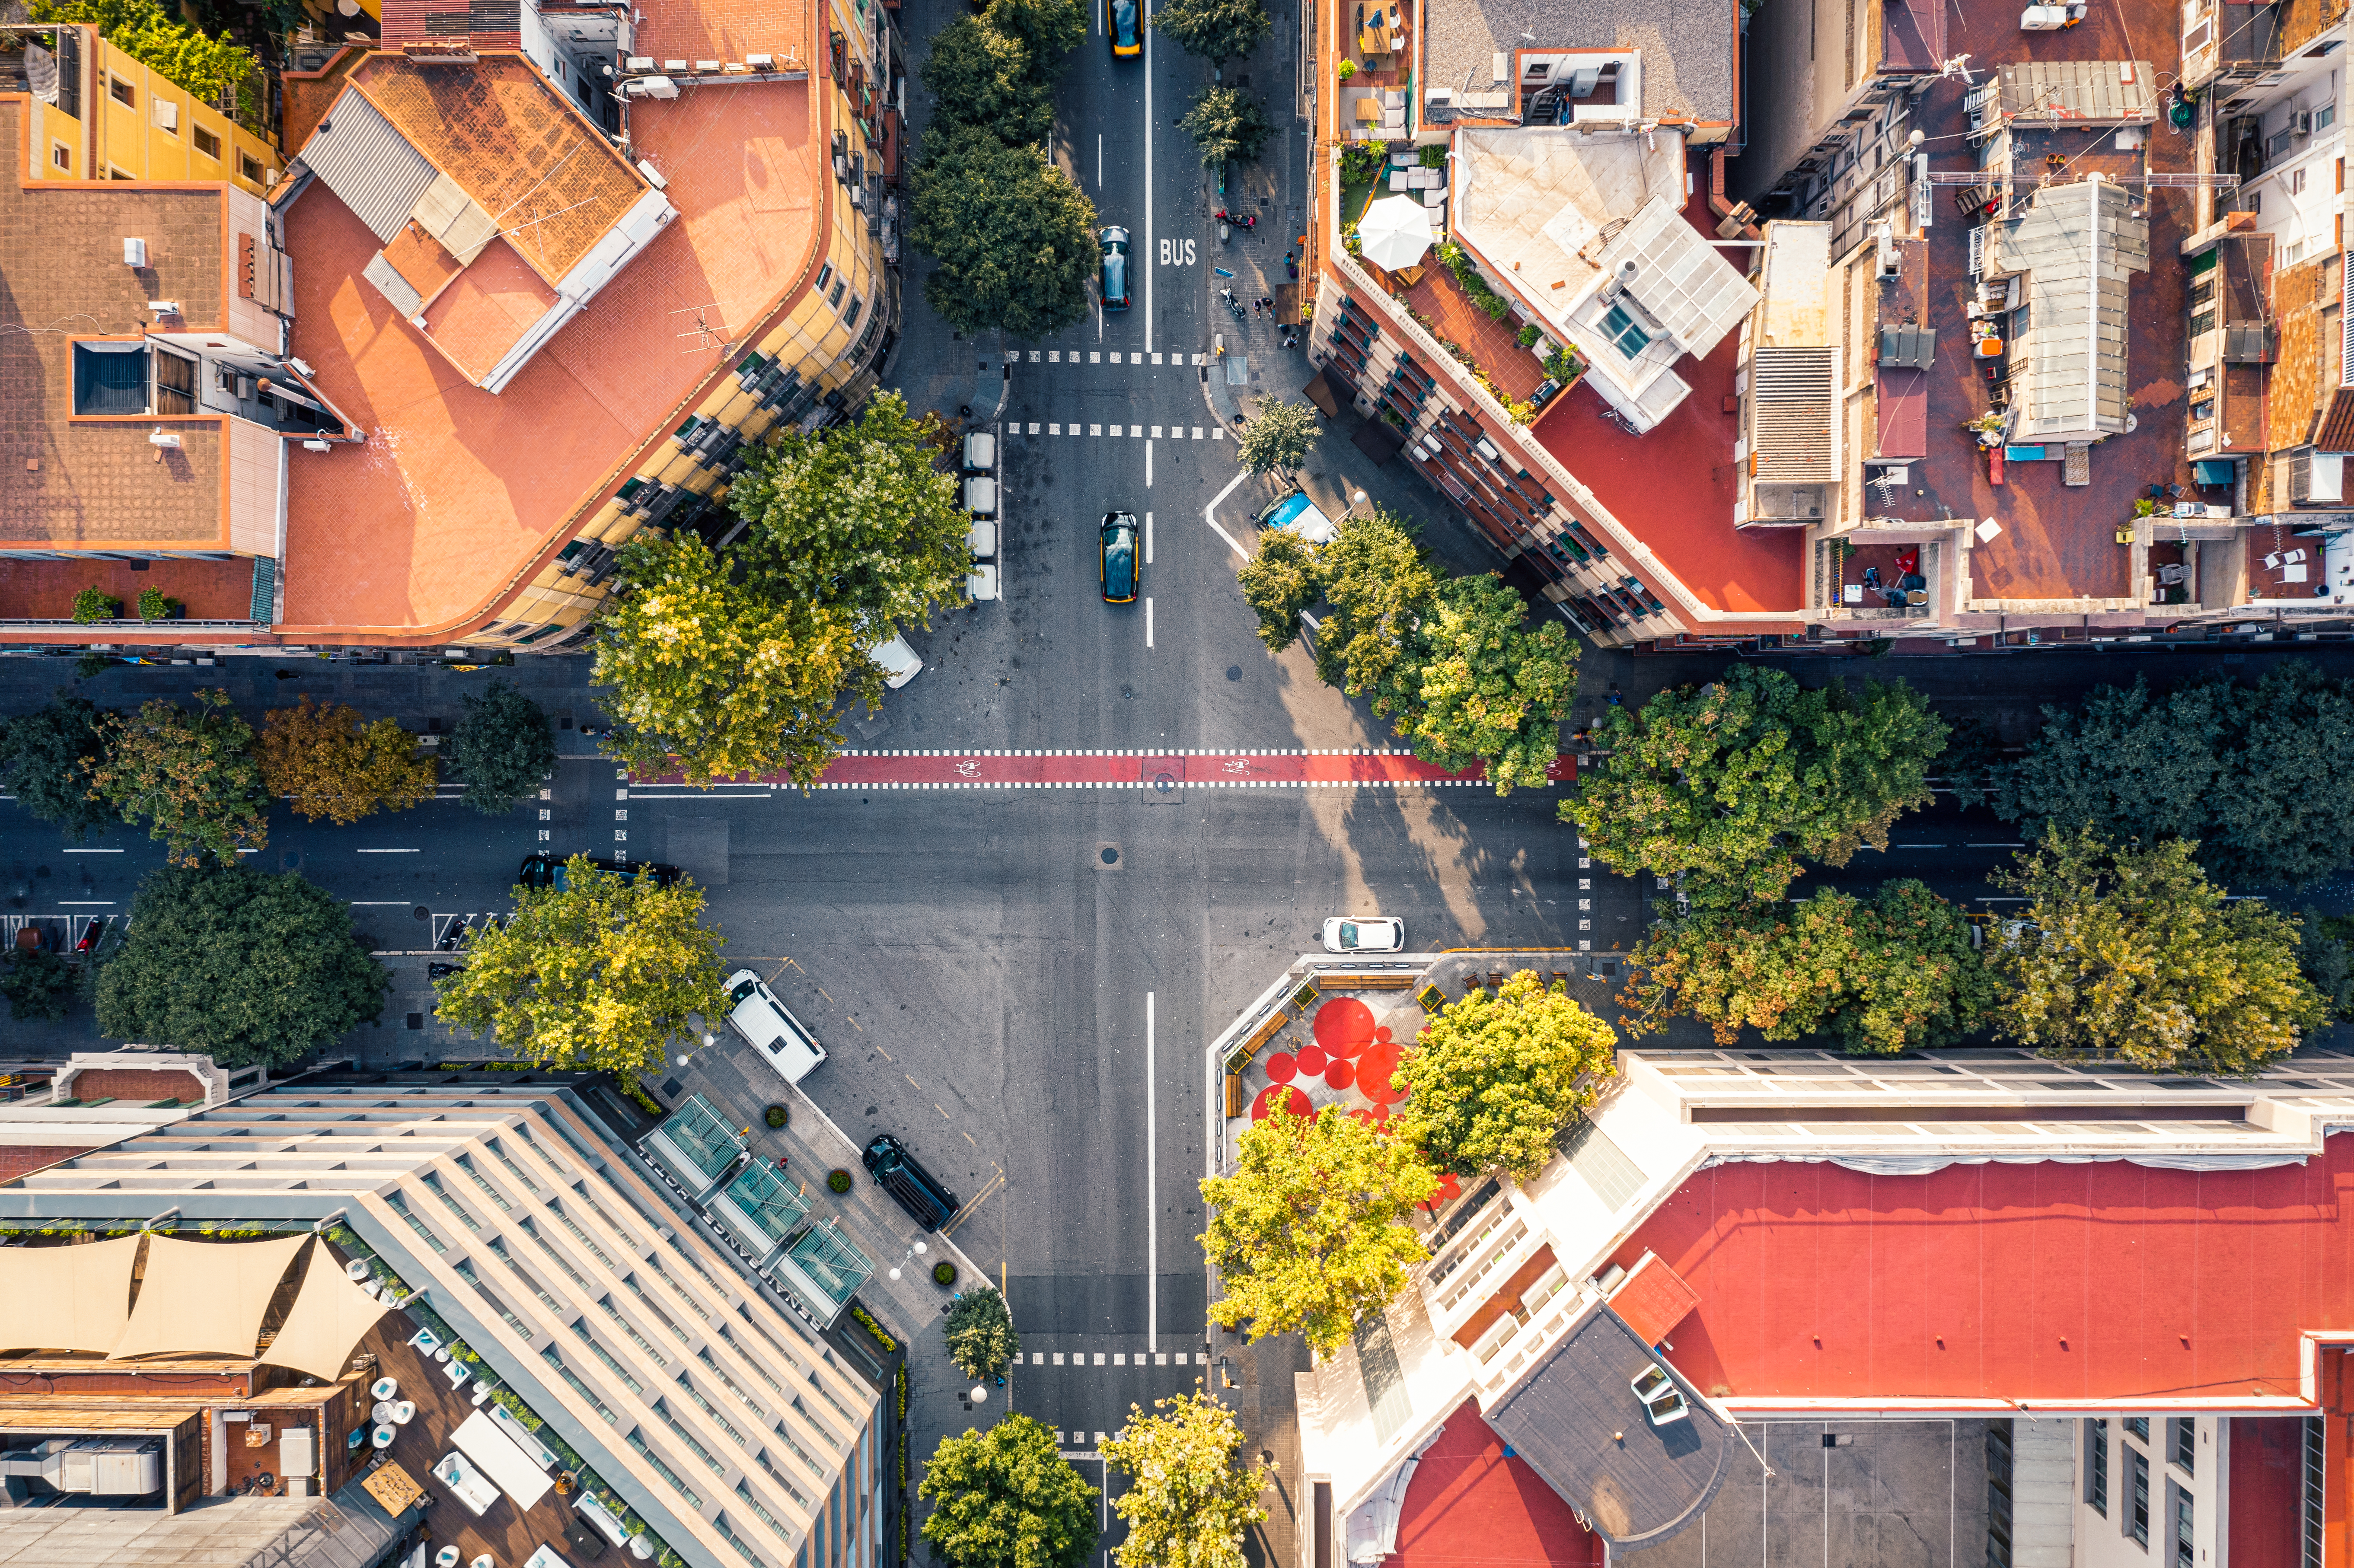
(92, 852)
(1147, 457)
(389, 852)
(1147, 538)
(379, 903)
(1148, 624)
(1210, 513)
(1148, 218)
(85, 903)
(1151, 1154)
(1099, 160)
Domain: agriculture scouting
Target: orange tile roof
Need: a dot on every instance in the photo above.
(457, 496)
(421, 260)
(547, 177)
(492, 304)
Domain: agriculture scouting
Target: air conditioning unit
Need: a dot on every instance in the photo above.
(2301, 122)
(164, 307)
(134, 253)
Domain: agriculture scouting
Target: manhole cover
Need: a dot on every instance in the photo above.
(1111, 856)
(1164, 782)
(422, 913)
(1234, 671)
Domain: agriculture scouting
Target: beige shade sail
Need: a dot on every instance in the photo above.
(205, 1298)
(74, 1297)
(329, 1315)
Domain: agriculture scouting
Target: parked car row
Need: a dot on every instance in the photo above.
(979, 463)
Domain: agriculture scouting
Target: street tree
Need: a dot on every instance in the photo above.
(1896, 973)
(1187, 1503)
(707, 663)
(190, 773)
(1494, 1078)
(1226, 123)
(1014, 239)
(1489, 690)
(504, 748)
(856, 521)
(327, 763)
(2326, 953)
(1279, 583)
(1049, 30)
(1002, 1497)
(45, 762)
(1215, 30)
(2130, 951)
(981, 1334)
(1731, 783)
(1309, 1233)
(242, 965)
(39, 985)
(1380, 586)
(599, 974)
(983, 77)
(1279, 437)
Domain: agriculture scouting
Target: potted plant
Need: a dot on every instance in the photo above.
(777, 1116)
(837, 1180)
(94, 604)
(943, 1274)
(155, 606)
(1346, 69)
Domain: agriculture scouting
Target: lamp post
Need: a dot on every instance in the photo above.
(914, 1249)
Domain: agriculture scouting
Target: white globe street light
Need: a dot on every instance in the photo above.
(916, 1249)
(980, 1393)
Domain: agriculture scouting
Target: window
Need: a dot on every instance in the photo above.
(2136, 1511)
(487, 1189)
(835, 298)
(2202, 411)
(120, 92)
(110, 378)
(573, 1378)
(451, 1204)
(2138, 1426)
(175, 382)
(580, 1327)
(466, 1272)
(251, 168)
(206, 142)
(2097, 1466)
(400, 1206)
(824, 276)
(850, 316)
(62, 156)
(1624, 332)
(606, 1304)
(2184, 1434)
(637, 1441)
(2324, 117)
(697, 1449)
(2185, 1554)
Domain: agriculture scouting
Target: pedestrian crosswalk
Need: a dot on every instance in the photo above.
(1070, 357)
(1119, 1358)
(1109, 431)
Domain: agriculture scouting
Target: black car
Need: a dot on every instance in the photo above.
(895, 1170)
(547, 871)
(1116, 563)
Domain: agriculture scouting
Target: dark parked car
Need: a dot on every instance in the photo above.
(547, 871)
(895, 1170)
(1115, 566)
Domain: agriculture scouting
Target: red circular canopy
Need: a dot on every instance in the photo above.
(1295, 1105)
(1344, 1025)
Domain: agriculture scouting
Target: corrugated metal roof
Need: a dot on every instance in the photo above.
(370, 166)
(2078, 90)
(2079, 245)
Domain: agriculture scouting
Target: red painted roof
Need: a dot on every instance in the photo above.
(1653, 1299)
(1470, 1507)
(2048, 1282)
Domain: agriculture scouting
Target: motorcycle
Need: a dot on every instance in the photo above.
(1225, 226)
(1232, 305)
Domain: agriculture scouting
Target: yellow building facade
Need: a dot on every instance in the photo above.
(100, 114)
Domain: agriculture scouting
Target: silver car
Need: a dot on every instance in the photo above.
(1363, 934)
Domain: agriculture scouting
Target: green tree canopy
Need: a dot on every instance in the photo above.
(981, 1334)
(1487, 688)
(1226, 123)
(191, 774)
(504, 748)
(1049, 29)
(1215, 30)
(1278, 583)
(1894, 974)
(1380, 586)
(1014, 239)
(1494, 1078)
(601, 974)
(983, 78)
(1310, 1232)
(2132, 952)
(45, 762)
(242, 965)
(37, 985)
(327, 763)
(157, 38)
(855, 520)
(1279, 437)
(1002, 1497)
(1732, 782)
(2254, 776)
(1187, 1503)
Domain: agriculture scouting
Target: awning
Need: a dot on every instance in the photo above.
(205, 1298)
(496, 1456)
(2215, 471)
(330, 1315)
(1319, 392)
(72, 1297)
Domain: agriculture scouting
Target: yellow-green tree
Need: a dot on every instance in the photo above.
(1494, 1078)
(327, 763)
(1002, 1497)
(600, 973)
(1187, 1503)
(2131, 952)
(192, 775)
(1310, 1232)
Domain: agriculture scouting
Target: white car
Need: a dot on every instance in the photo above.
(981, 540)
(1363, 934)
(900, 663)
(980, 496)
(981, 584)
(771, 1029)
(981, 452)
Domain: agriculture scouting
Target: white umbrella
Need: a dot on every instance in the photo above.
(1396, 231)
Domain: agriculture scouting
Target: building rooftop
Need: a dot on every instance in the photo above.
(345, 1530)
(1687, 48)
(459, 495)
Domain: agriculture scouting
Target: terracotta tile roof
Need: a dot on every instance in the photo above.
(61, 253)
(494, 303)
(420, 259)
(1450, 315)
(442, 514)
(548, 179)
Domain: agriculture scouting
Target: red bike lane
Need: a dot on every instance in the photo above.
(1138, 771)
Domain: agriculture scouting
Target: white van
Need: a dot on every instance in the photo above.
(981, 452)
(772, 1030)
(981, 497)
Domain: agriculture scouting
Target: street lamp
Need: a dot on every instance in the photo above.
(914, 1250)
(980, 1393)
